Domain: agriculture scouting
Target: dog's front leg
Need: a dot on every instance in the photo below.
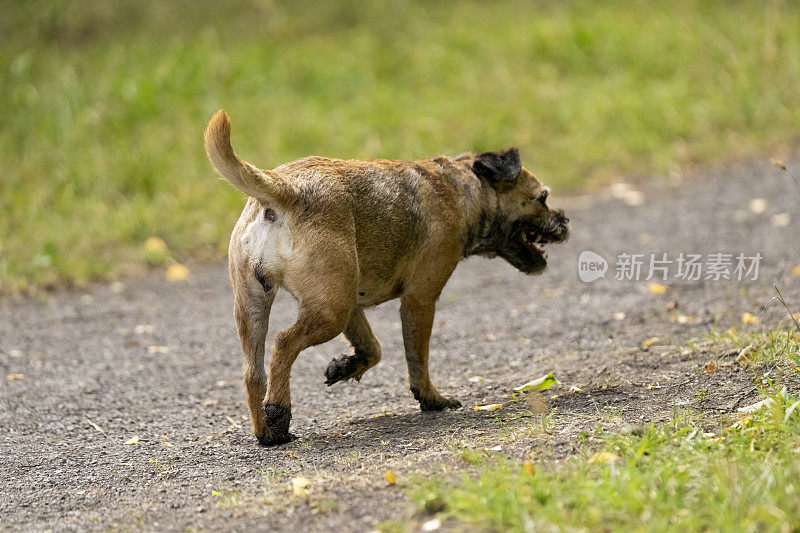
(416, 315)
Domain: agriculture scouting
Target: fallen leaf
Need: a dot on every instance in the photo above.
(209, 403)
(672, 304)
(166, 443)
(177, 272)
(489, 407)
(758, 205)
(216, 493)
(649, 342)
(656, 288)
(604, 458)
(523, 341)
(619, 316)
(778, 163)
(155, 245)
(732, 330)
(141, 329)
(15, 377)
(796, 271)
(746, 355)
(684, 319)
(710, 367)
(432, 525)
(542, 383)
(157, 349)
(131, 441)
(528, 468)
(747, 318)
(780, 220)
(300, 487)
(752, 408)
(739, 424)
(390, 479)
(575, 388)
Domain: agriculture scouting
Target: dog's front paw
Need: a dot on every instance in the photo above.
(344, 368)
(439, 404)
(276, 432)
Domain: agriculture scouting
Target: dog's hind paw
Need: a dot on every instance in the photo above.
(344, 368)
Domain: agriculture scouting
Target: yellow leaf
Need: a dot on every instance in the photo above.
(747, 318)
(209, 403)
(131, 441)
(157, 349)
(15, 377)
(746, 354)
(166, 443)
(177, 272)
(758, 205)
(651, 341)
(542, 383)
(710, 367)
(732, 330)
(656, 288)
(300, 487)
(796, 271)
(528, 468)
(604, 458)
(216, 493)
(778, 163)
(781, 220)
(489, 407)
(390, 479)
(155, 245)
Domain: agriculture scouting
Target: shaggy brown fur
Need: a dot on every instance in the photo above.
(343, 235)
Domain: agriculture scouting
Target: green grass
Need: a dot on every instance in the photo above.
(739, 472)
(104, 103)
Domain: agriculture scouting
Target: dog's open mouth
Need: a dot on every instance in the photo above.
(535, 242)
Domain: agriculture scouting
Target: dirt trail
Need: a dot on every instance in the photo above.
(161, 361)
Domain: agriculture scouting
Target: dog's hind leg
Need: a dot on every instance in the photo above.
(366, 347)
(253, 297)
(317, 322)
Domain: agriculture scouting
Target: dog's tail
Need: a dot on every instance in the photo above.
(261, 184)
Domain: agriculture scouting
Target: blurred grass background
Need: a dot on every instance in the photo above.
(104, 103)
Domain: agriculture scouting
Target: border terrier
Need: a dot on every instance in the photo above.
(343, 235)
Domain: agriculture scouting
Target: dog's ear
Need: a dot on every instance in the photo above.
(500, 169)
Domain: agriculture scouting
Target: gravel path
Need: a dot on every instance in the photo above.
(161, 362)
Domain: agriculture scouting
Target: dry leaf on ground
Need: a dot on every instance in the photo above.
(656, 288)
(749, 318)
(758, 205)
(542, 383)
(177, 272)
(649, 342)
(604, 458)
(300, 487)
(489, 407)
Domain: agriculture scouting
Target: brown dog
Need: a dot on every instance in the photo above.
(343, 235)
